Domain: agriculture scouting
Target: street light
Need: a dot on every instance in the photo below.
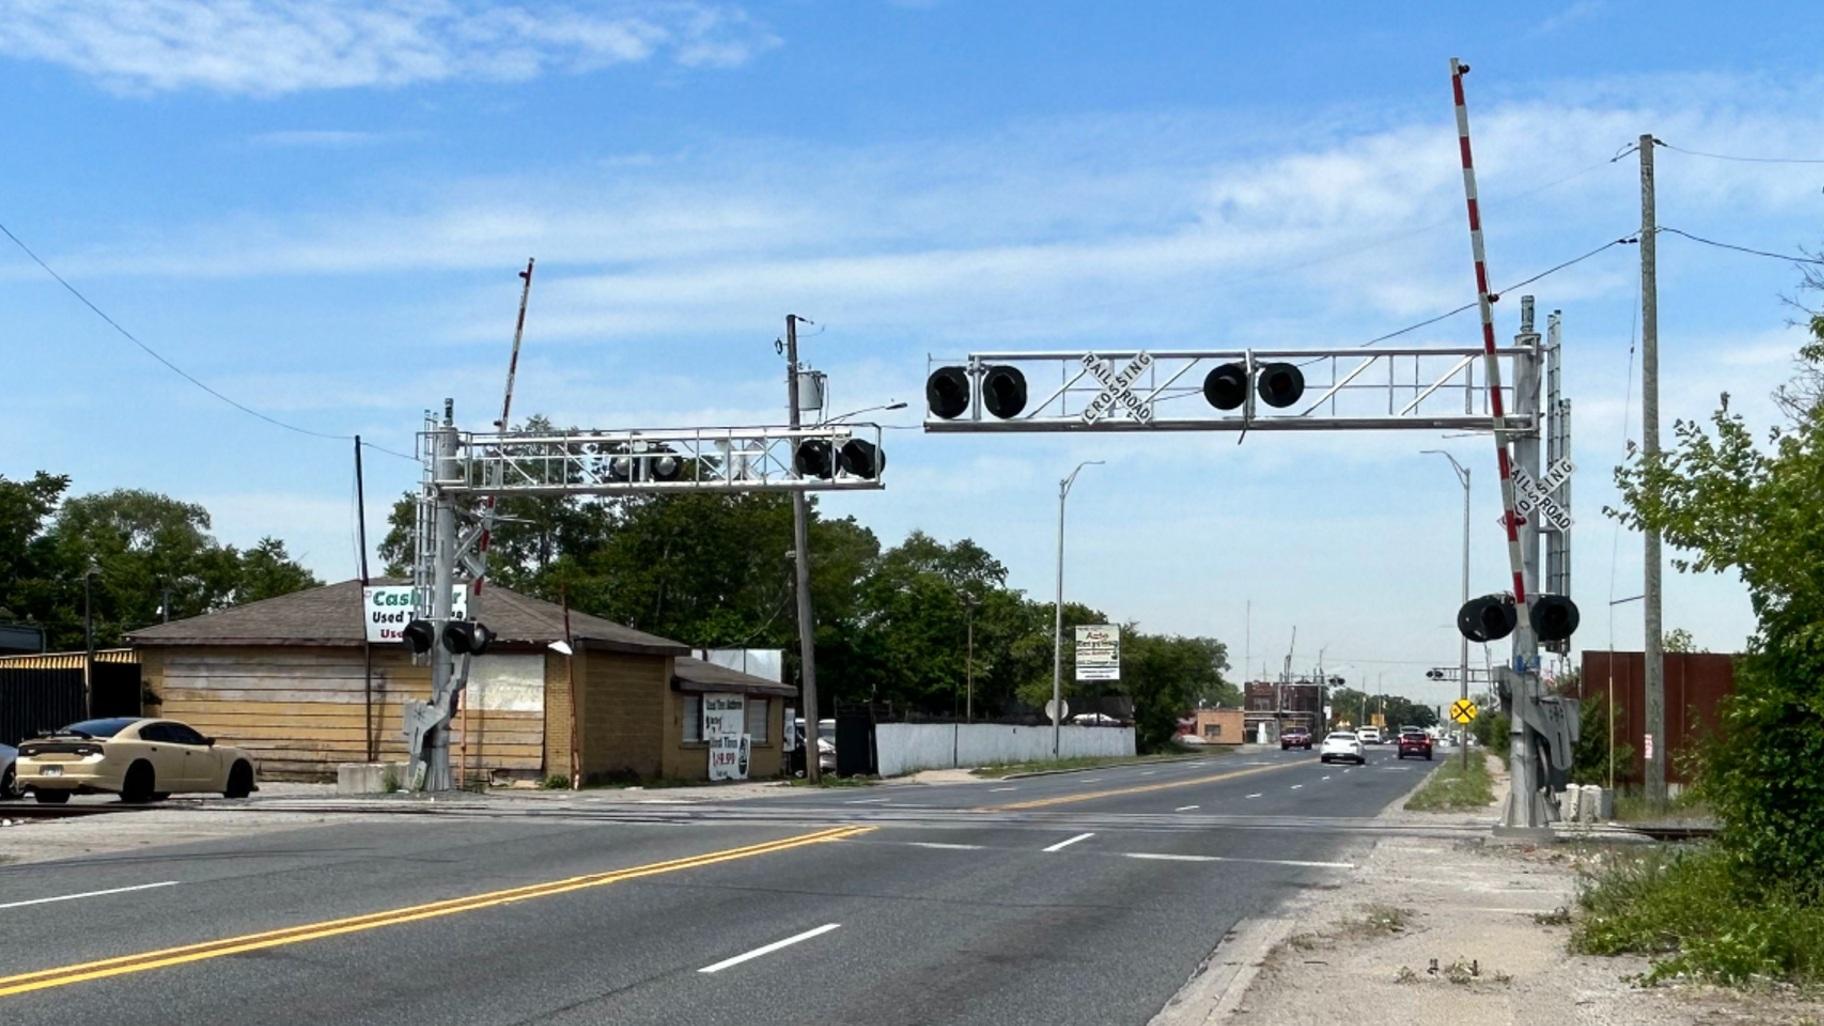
(1057, 633)
(884, 408)
(1463, 650)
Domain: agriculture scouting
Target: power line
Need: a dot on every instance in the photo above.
(1742, 249)
(174, 368)
(1741, 159)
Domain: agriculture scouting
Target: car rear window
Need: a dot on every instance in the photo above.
(1342, 737)
(101, 728)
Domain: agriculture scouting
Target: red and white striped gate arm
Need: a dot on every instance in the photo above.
(1486, 302)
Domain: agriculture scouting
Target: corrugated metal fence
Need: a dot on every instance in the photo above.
(43, 692)
(1696, 684)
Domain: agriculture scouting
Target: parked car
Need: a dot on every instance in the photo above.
(1416, 743)
(1344, 745)
(8, 754)
(1297, 737)
(1369, 735)
(1193, 740)
(137, 758)
(826, 743)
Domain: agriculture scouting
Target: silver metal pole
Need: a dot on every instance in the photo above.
(1463, 650)
(801, 567)
(1526, 806)
(1655, 678)
(437, 739)
(1057, 630)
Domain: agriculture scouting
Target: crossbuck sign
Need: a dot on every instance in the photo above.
(1117, 389)
(1536, 496)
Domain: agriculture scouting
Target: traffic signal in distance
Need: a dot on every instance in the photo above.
(861, 458)
(947, 392)
(1554, 617)
(814, 459)
(466, 637)
(1004, 391)
(419, 635)
(1434, 674)
(1489, 618)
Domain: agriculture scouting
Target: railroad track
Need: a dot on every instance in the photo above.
(33, 810)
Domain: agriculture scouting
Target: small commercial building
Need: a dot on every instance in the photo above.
(1218, 726)
(295, 680)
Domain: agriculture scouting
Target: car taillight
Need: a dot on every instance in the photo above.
(88, 750)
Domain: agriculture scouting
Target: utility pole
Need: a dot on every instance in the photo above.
(88, 638)
(367, 647)
(1655, 678)
(1057, 627)
(801, 566)
(969, 603)
(1463, 649)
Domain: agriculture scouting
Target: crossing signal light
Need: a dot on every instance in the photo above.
(1004, 391)
(1554, 617)
(466, 637)
(665, 466)
(1489, 618)
(1281, 384)
(419, 635)
(814, 459)
(947, 392)
(1226, 387)
(1434, 674)
(861, 458)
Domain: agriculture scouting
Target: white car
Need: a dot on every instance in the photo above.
(1369, 735)
(1341, 744)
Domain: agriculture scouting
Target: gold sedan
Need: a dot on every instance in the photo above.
(136, 758)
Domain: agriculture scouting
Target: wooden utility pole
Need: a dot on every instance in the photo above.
(1655, 678)
(367, 647)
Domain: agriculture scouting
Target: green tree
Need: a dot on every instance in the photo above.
(1727, 503)
(1679, 640)
(25, 510)
(267, 571)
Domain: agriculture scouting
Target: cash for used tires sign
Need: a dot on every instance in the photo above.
(387, 608)
(1099, 652)
(724, 730)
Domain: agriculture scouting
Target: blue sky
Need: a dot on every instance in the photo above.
(320, 211)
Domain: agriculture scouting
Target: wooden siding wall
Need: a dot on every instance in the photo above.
(623, 712)
(300, 710)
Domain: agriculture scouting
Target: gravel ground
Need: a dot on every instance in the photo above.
(1434, 930)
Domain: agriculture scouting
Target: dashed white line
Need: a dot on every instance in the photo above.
(994, 789)
(1297, 786)
(1091, 780)
(1326, 776)
(767, 949)
(867, 801)
(1061, 845)
(1186, 808)
(1255, 795)
(945, 845)
(1173, 857)
(1148, 773)
(89, 894)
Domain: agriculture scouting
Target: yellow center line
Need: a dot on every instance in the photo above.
(1086, 796)
(146, 960)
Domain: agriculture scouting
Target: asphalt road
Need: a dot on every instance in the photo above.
(1077, 898)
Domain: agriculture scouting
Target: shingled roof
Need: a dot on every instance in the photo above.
(332, 616)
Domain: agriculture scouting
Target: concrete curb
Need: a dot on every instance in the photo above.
(1222, 981)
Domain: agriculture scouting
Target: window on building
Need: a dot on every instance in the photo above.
(693, 717)
(1212, 730)
(755, 719)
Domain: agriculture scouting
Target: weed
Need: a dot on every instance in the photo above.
(1405, 975)
(1462, 973)
(555, 782)
(832, 780)
(389, 779)
(1378, 920)
(1305, 941)
(1452, 789)
(1559, 916)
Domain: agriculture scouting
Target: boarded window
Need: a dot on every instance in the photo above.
(756, 719)
(693, 717)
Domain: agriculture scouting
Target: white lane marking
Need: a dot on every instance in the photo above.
(1255, 795)
(767, 949)
(994, 789)
(90, 894)
(945, 845)
(1350, 770)
(1171, 857)
(867, 801)
(1186, 808)
(1148, 773)
(1297, 786)
(1061, 845)
(1091, 780)
(1326, 776)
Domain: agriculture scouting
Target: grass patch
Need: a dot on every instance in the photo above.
(1638, 808)
(554, 782)
(1079, 762)
(832, 780)
(1378, 921)
(1690, 911)
(1452, 789)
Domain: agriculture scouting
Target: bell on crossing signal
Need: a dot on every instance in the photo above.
(814, 459)
(1554, 617)
(1489, 618)
(419, 634)
(1004, 391)
(861, 458)
(947, 392)
(466, 637)
(1226, 387)
(1280, 384)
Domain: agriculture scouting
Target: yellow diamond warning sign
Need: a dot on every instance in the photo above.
(1462, 710)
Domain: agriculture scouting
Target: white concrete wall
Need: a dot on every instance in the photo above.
(909, 747)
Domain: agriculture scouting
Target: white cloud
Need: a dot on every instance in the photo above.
(266, 48)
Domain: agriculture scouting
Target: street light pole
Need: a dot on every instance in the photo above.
(1463, 649)
(969, 603)
(88, 639)
(1057, 630)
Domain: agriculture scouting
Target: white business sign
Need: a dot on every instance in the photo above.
(1532, 496)
(1099, 652)
(1117, 389)
(724, 730)
(387, 608)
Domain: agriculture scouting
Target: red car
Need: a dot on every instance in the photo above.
(1297, 737)
(1415, 744)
